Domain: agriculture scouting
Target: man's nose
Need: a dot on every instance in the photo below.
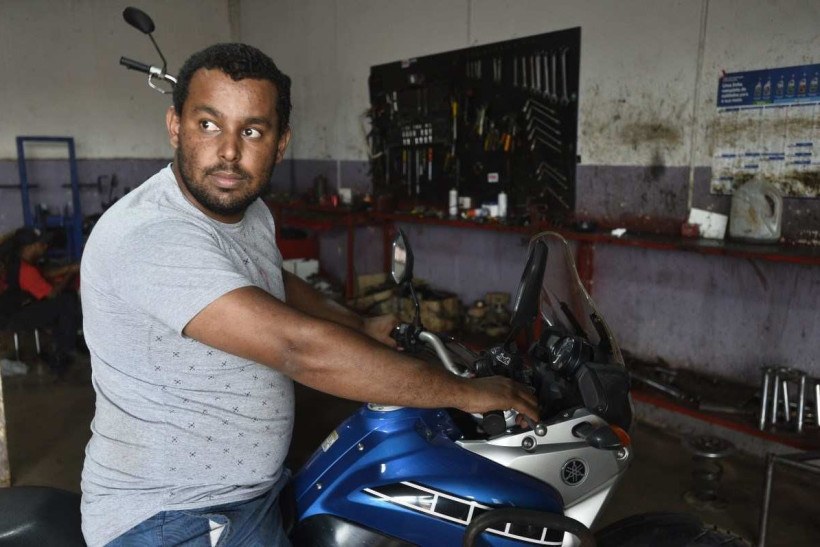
(230, 147)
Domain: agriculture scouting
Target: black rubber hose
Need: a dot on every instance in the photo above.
(552, 521)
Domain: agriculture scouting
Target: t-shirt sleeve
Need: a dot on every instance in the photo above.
(33, 282)
(172, 270)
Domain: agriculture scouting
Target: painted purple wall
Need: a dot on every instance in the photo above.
(638, 196)
(50, 175)
(723, 315)
(292, 176)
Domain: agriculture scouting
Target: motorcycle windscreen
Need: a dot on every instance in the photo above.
(566, 304)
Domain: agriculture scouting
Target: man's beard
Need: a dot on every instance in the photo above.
(234, 204)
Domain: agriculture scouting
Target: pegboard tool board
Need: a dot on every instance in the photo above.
(485, 119)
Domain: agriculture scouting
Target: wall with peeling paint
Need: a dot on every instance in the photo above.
(648, 84)
(637, 69)
(649, 75)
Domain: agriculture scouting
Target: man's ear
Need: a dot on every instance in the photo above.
(172, 123)
(284, 140)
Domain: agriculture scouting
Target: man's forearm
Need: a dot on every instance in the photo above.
(335, 359)
(306, 299)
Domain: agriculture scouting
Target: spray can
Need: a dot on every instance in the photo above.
(502, 205)
(452, 203)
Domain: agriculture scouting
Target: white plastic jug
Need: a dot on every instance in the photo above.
(757, 212)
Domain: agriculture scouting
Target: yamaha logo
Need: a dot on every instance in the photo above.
(574, 472)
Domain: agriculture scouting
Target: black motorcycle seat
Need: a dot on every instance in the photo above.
(39, 515)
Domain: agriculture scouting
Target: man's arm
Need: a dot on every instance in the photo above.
(339, 360)
(306, 299)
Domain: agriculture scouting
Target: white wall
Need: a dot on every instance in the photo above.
(60, 69)
(328, 48)
(639, 61)
(639, 64)
(749, 35)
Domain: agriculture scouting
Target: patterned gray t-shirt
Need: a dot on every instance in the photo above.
(178, 424)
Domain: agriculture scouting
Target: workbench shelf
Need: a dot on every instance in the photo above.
(796, 254)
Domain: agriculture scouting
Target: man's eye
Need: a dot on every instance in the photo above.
(208, 125)
(251, 133)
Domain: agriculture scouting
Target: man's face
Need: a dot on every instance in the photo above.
(226, 142)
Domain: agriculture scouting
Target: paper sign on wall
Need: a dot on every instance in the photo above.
(768, 125)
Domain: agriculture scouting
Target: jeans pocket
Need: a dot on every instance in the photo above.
(195, 529)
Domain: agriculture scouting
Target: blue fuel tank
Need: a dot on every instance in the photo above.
(395, 476)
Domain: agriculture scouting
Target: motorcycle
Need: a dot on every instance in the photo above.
(393, 476)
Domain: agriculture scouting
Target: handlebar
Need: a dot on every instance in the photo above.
(135, 65)
(436, 343)
(494, 422)
(408, 336)
(152, 71)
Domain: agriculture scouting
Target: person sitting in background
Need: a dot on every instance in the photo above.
(38, 299)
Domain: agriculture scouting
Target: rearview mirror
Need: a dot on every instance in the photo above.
(401, 264)
(139, 20)
(525, 306)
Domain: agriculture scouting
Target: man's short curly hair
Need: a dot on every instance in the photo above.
(239, 61)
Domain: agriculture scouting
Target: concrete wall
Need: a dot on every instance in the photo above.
(646, 114)
(649, 74)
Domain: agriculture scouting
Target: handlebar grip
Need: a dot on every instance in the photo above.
(135, 65)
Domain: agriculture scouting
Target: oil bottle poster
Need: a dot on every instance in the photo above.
(768, 126)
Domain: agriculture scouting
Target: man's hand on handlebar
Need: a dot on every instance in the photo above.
(499, 393)
(380, 327)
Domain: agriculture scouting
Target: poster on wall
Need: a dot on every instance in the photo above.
(768, 126)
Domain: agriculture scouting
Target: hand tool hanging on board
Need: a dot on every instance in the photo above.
(546, 169)
(480, 120)
(544, 134)
(454, 113)
(515, 71)
(544, 61)
(564, 96)
(497, 70)
(419, 169)
(535, 78)
(537, 136)
(544, 110)
(537, 121)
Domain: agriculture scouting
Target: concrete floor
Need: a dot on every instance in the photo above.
(48, 427)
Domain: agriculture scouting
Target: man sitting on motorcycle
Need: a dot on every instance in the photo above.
(196, 333)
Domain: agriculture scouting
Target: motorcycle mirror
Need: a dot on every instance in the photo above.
(138, 19)
(401, 269)
(401, 265)
(143, 23)
(525, 307)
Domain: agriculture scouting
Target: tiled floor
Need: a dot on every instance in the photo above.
(48, 426)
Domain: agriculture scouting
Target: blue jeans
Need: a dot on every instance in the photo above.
(255, 522)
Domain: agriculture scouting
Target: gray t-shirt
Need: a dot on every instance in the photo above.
(178, 424)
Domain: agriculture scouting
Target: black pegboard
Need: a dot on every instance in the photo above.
(516, 115)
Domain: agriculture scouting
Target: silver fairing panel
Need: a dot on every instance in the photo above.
(577, 470)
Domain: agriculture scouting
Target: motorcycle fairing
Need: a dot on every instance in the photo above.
(387, 467)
